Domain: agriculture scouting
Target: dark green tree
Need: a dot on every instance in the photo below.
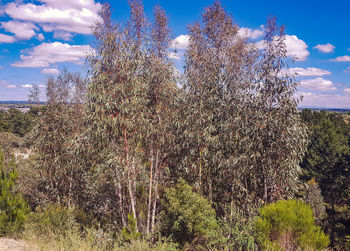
(13, 208)
(327, 161)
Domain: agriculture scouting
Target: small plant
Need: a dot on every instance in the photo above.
(189, 218)
(53, 220)
(130, 232)
(13, 208)
(289, 225)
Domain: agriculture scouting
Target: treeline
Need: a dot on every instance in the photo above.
(177, 160)
(16, 122)
(327, 161)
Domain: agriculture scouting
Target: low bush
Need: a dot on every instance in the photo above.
(52, 221)
(188, 218)
(289, 225)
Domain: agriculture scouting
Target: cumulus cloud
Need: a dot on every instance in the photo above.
(324, 100)
(22, 30)
(341, 59)
(180, 43)
(250, 33)
(325, 48)
(296, 48)
(347, 91)
(50, 71)
(318, 84)
(66, 15)
(49, 53)
(6, 39)
(66, 36)
(310, 71)
(27, 86)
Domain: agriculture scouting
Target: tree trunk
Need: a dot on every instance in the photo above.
(150, 194)
(155, 197)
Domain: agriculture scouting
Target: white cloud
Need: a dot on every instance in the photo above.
(324, 100)
(27, 86)
(347, 90)
(5, 84)
(250, 33)
(341, 59)
(6, 39)
(49, 53)
(21, 30)
(40, 37)
(318, 84)
(325, 48)
(296, 48)
(180, 43)
(310, 71)
(174, 55)
(68, 15)
(66, 36)
(50, 71)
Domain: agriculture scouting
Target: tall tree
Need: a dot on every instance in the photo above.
(129, 108)
(55, 177)
(34, 95)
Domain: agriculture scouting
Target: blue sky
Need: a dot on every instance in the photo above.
(38, 38)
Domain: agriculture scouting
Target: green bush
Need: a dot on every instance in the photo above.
(238, 231)
(188, 218)
(53, 220)
(290, 225)
(13, 208)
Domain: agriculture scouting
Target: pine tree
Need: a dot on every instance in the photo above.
(13, 208)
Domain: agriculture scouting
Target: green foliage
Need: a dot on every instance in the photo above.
(327, 161)
(130, 233)
(51, 221)
(289, 224)
(188, 218)
(14, 121)
(238, 231)
(13, 208)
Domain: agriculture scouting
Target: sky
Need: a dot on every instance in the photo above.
(39, 38)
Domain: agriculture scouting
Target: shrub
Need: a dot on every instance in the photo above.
(13, 208)
(314, 198)
(188, 218)
(238, 231)
(53, 220)
(290, 225)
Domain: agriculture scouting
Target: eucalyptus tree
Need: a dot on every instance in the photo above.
(34, 95)
(129, 108)
(55, 178)
(242, 135)
(280, 136)
(218, 75)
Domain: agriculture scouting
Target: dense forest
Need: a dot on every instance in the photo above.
(138, 155)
